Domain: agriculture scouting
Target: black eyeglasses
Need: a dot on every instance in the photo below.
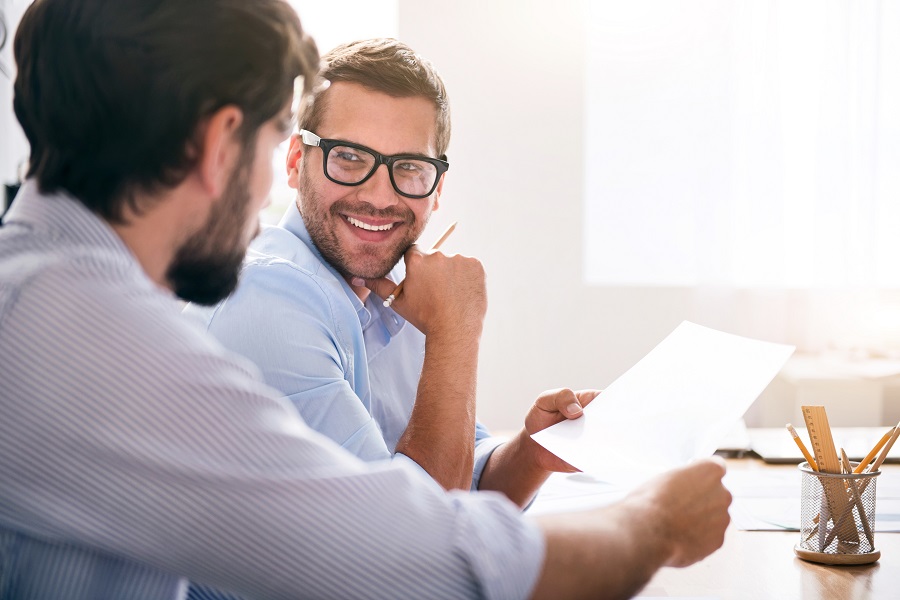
(346, 163)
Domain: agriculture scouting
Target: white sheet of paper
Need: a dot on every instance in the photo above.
(673, 406)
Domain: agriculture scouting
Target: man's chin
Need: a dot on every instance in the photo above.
(371, 270)
(204, 282)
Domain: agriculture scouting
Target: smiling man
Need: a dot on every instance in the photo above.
(386, 383)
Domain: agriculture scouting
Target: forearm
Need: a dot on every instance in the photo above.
(441, 431)
(609, 555)
(675, 520)
(513, 469)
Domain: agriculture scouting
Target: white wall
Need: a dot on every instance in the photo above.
(514, 70)
(13, 146)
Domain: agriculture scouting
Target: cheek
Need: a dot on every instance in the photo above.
(423, 209)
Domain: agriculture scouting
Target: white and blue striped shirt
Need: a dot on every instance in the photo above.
(135, 452)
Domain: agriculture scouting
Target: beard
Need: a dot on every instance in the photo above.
(368, 260)
(206, 267)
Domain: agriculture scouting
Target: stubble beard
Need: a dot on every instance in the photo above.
(206, 267)
(370, 261)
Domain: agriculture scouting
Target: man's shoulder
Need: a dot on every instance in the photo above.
(277, 261)
(278, 247)
(282, 281)
(67, 272)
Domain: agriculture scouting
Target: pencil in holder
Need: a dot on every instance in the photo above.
(837, 517)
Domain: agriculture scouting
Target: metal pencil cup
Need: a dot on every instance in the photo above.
(837, 517)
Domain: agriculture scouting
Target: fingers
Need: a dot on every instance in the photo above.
(585, 397)
(697, 510)
(563, 401)
(566, 402)
(382, 288)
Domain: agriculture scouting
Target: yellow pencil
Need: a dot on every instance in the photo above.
(885, 450)
(393, 296)
(862, 464)
(799, 442)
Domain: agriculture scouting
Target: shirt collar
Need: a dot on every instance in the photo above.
(292, 221)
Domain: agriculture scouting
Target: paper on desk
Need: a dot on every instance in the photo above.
(674, 405)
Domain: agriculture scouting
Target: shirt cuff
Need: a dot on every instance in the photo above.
(483, 450)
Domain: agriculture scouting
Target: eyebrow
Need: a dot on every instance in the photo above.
(403, 153)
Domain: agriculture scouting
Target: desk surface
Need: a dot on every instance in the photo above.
(754, 565)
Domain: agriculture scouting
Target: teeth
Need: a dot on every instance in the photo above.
(366, 226)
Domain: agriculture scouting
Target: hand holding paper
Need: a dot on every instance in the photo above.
(674, 405)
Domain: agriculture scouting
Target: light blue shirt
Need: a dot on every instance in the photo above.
(351, 368)
(138, 453)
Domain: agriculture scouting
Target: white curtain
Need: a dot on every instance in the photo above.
(743, 144)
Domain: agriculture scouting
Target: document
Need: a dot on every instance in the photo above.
(676, 404)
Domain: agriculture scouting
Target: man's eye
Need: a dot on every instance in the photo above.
(346, 155)
(409, 167)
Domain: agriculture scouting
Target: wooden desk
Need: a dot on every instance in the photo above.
(757, 565)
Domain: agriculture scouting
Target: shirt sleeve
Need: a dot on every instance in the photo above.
(134, 435)
(484, 447)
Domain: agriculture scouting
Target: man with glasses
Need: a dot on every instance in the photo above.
(392, 382)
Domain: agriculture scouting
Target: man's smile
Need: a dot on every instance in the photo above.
(369, 226)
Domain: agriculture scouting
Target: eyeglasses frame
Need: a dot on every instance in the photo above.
(441, 165)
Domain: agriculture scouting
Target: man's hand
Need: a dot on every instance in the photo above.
(519, 467)
(611, 552)
(689, 508)
(550, 408)
(440, 293)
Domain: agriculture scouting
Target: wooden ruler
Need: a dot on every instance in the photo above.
(821, 439)
(835, 490)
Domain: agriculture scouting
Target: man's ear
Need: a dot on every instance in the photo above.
(220, 149)
(295, 153)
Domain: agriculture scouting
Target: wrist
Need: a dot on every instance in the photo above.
(529, 454)
(462, 333)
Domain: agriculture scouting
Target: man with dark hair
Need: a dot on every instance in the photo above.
(137, 452)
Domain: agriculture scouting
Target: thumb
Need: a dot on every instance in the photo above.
(380, 287)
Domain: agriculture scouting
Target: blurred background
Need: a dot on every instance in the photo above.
(622, 166)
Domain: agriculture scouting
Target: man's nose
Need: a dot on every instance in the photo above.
(378, 190)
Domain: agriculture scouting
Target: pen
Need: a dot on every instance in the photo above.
(799, 442)
(862, 464)
(393, 296)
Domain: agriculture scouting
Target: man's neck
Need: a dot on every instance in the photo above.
(164, 224)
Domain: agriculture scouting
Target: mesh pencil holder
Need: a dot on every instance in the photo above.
(837, 517)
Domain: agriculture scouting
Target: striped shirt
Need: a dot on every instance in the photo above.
(137, 453)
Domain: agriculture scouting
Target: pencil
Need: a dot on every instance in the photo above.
(885, 450)
(393, 296)
(857, 501)
(862, 464)
(799, 442)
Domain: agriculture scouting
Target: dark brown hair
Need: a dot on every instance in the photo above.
(111, 94)
(384, 65)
